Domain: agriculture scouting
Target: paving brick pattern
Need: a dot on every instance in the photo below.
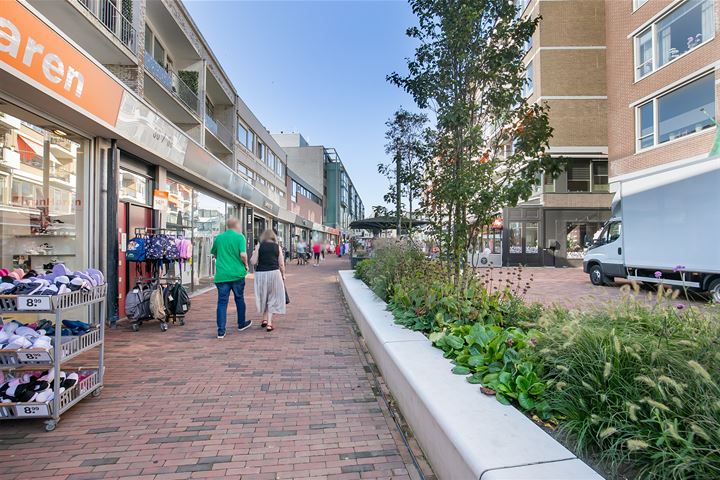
(300, 402)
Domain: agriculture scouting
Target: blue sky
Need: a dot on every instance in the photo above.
(318, 68)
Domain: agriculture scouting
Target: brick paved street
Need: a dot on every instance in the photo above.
(295, 403)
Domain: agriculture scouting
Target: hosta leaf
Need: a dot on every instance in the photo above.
(523, 383)
(474, 379)
(460, 370)
(454, 342)
(525, 401)
(505, 378)
(502, 399)
(476, 360)
(435, 336)
(536, 389)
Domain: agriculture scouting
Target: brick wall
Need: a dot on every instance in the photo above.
(623, 90)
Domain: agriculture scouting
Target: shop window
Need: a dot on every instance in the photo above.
(515, 237)
(209, 218)
(579, 236)
(134, 188)
(676, 114)
(180, 198)
(531, 237)
(42, 196)
(578, 176)
(689, 25)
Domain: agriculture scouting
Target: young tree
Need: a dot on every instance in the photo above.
(405, 137)
(490, 144)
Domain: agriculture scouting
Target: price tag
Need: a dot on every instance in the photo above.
(33, 356)
(32, 410)
(31, 303)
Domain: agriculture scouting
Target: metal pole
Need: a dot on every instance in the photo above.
(112, 232)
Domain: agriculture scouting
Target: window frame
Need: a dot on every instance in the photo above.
(638, 4)
(654, 101)
(652, 26)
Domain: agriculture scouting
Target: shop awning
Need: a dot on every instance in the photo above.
(384, 223)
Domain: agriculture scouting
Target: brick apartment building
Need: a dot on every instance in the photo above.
(566, 70)
(661, 68)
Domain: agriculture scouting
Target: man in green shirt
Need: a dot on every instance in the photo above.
(231, 266)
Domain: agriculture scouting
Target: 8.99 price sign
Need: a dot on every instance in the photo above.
(31, 303)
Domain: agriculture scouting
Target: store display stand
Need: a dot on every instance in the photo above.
(39, 359)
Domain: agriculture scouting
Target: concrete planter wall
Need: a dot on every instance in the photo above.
(464, 434)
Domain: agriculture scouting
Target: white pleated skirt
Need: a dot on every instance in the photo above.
(269, 292)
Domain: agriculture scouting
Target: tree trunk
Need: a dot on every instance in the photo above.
(398, 166)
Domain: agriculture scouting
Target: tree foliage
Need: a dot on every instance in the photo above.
(490, 144)
(406, 144)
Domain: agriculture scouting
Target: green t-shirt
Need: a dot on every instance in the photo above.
(227, 248)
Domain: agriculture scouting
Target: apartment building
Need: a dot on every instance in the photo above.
(116, 118)
(662, 84)
(318, 171)
(566, 69)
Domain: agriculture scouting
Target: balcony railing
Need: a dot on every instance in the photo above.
(61, 142)
(219, 130)
(113, 19)
(172, 83)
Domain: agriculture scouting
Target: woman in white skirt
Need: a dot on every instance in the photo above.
(269, 278)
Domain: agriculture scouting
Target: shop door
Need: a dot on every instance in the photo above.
(258, 228)
(130, 217)
(523, 244)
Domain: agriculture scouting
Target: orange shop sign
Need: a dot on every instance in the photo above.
(31, 47)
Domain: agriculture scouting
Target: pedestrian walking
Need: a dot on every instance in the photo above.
(231, 266)
(337, 250)
(316, 253)
(301, 253)
(269, 279)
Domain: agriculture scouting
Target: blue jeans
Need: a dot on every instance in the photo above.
(224, 288)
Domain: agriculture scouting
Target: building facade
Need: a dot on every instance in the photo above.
(662, 62)
(115, 119)
(318, 172)
(566, 70)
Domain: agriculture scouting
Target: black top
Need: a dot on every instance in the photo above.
(268, 257)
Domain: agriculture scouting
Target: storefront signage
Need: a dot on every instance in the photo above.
(33, 49)
(149, 130)
(161, 200)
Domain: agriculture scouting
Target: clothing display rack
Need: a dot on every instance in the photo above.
(39, 359)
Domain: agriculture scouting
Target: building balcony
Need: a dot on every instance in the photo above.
(98, 26)
(170, 94)
(221, 140)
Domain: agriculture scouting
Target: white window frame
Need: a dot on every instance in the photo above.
(653, 36)
(638, 3)
(529, 86)
(654, 102)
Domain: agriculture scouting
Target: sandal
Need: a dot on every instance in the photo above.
(263, 324)
(269, 328)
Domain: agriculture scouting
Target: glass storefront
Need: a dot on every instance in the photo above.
(199, 216)
(43, 213)
(208, 221)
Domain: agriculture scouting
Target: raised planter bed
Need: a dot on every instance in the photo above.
(464, 434)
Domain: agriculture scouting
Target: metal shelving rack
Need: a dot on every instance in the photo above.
(38, 359)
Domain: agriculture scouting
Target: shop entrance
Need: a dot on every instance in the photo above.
(258, 227)
(130, 217)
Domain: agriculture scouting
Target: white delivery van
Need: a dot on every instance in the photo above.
(665, 227)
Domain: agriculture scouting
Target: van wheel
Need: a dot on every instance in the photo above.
(714, 290)
(596, 275)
